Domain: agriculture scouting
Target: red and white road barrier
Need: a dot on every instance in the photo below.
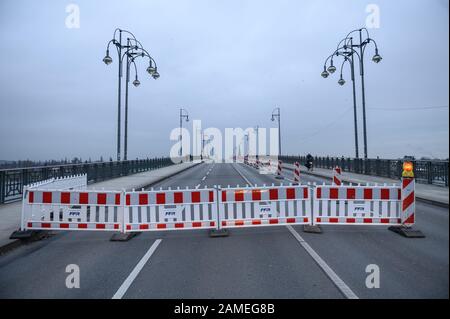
(170, 210)
(60, 203)
(297, 172)
(264, 206)
(72, 210)
(337, 176)
(357, 205)
(279, 168)
(45, 207)
(408, 201)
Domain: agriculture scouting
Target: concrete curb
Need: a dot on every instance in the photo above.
(15, 243)
(345, 179)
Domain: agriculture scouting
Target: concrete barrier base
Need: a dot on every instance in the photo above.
(123, 236)
(407, 231)
(315, 229)
(26, 234)
(219, 233)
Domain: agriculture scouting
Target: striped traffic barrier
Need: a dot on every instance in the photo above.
(348, 204)
(408, 201)
(297, 172)
(72, 210)
(408, 204)
(170, 210)
(217, 209)
(264, 206)
(337, 176)
(279, 170)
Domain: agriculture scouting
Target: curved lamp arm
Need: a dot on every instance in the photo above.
(343, 62)
(121, 30)
(369, 40)
(360, 29)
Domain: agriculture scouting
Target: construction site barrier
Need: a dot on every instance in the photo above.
(337, 178)
(170, 210)
(66, 204)
(264, 206)
(345, 204)
(297, 172)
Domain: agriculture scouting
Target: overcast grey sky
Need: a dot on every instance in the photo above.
(229, 63)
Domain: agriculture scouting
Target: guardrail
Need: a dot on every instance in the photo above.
(12, 181)
(426, 172)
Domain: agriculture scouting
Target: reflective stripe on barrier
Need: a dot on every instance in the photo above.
(334, 204)
(74, 197)
(170, 210)
(264, 206)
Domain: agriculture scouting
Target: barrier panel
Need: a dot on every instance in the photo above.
(72, 210)
(170, 210)
(264, 206)
(69, 182)
(347, 204)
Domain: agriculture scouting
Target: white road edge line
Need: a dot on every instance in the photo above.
(127, 283)
(197, 186)
(340, 284)
(204, 177)
(242, 175)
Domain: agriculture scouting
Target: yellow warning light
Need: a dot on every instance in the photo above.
(408, 169)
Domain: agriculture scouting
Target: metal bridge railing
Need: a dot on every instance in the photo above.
(426, 172)
(13, 180)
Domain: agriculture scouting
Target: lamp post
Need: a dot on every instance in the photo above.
(346, 48)
(257, 141)
(331, 69)
(133, 49)
(132, 54)
(205, 138)
(246, 138)
(276, 113)
(183, 114)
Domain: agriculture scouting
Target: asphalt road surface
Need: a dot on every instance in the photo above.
(267, 262)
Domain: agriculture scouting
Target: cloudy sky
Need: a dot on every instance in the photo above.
(229, 63)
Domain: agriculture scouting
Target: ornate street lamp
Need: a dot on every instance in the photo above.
(346, 48)
(133, 49)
